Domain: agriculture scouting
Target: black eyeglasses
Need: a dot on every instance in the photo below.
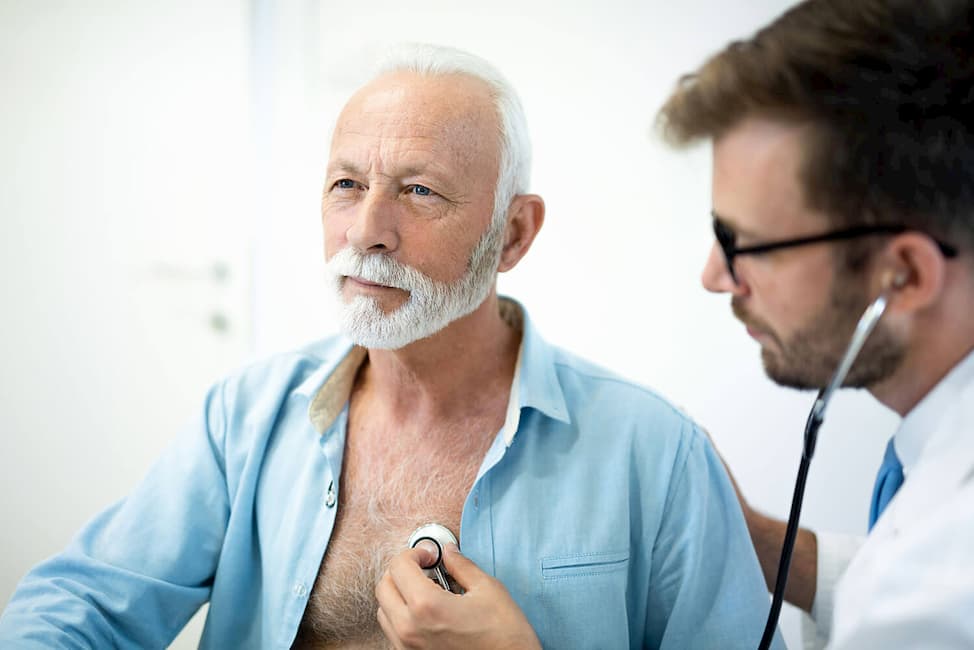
(726, 238)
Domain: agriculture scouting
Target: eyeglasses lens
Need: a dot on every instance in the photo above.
(726, 238)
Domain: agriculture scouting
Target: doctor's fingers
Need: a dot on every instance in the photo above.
(405, 588)
(410, 619)
(393, 613)
(389, 630)
(465, 571)
(410, 580)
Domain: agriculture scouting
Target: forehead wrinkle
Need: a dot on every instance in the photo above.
(422, 126)
(464, 136)
(398, 157)
(396, 165)
(344, 165)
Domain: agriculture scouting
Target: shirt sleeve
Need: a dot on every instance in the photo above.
(138, 571)
(835, 552)
(707, 590)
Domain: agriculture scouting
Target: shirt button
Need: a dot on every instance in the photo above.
(330, 496)
(300, 590)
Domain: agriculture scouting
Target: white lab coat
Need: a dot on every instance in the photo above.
(911, 583)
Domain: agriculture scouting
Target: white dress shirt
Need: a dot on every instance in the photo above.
(911, 585)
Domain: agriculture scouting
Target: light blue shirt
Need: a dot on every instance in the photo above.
(603, 509)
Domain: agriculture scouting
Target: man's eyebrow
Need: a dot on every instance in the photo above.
(349, 167)
(345, 166)
(416, 170)
(434, 174)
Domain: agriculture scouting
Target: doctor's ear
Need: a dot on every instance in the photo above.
(894, 280)
(524, 219)
(914, 272)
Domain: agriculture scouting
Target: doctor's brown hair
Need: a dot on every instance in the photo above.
(886, 91)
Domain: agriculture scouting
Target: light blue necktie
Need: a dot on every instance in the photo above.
(888, 481)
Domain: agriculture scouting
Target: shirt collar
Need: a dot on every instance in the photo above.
(535, 383)
(331, 397)
(924, 420)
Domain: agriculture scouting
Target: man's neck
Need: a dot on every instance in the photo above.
(441, 377)
(937, 343)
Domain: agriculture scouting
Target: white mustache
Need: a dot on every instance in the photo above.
(377, 268)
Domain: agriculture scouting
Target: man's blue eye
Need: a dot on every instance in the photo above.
(422, 190)
(345, 184)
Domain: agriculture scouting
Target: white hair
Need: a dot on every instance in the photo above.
(514, 174)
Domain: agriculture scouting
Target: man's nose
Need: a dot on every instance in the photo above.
(716, 277)
(375, 226)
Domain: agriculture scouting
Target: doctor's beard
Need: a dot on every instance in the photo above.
(810, 355)
(431, 305)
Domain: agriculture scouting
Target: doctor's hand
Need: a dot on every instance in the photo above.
(415, 612)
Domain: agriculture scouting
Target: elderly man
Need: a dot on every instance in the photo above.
(843, 159)
(603, 510)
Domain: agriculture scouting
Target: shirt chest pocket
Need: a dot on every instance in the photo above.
(584, 600)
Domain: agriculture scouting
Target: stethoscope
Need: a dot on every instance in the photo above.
(863, 329)
(440, 536)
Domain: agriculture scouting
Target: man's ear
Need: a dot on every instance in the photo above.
(524, 219)
(913, 271)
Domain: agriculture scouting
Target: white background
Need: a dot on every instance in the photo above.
(160, 168)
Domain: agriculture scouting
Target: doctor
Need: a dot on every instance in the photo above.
(843, 168)
(843, 140)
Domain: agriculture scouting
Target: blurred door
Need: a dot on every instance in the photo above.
(125, 238)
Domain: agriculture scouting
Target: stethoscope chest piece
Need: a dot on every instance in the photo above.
(440, 536)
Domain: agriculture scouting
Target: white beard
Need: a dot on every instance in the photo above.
(431, 305)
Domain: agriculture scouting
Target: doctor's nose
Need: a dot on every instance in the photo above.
(716, 276)
(374, 227)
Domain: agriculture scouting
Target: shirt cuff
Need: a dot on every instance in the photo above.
(835, 552)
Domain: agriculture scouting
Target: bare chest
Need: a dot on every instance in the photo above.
(391, 484)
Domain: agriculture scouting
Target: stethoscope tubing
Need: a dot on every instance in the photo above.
(865, 326)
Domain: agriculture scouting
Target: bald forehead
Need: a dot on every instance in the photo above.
(455, 110)
(445, 95)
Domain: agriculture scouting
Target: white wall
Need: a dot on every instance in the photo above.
(128, 147)
(124, 247)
